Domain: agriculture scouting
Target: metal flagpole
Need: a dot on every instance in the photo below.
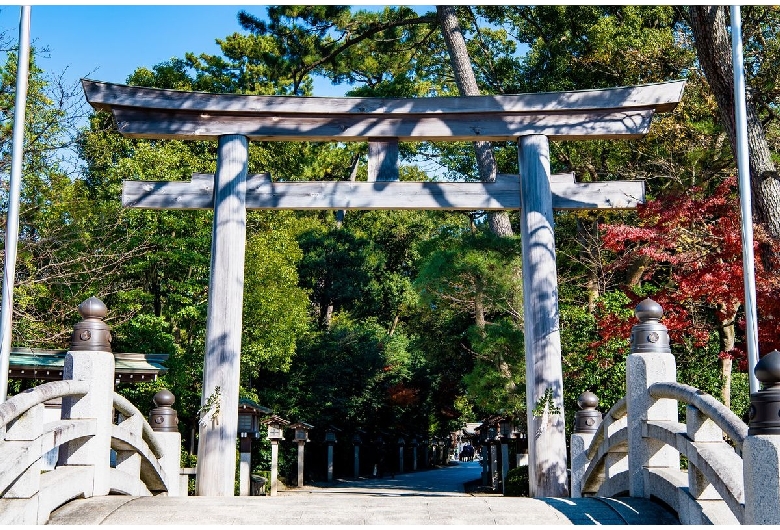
(12, 221)
(743, 166)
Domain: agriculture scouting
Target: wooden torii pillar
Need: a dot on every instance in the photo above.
(529, 119)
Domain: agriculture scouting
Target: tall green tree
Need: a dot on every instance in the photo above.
(59, 249)
(708, 24)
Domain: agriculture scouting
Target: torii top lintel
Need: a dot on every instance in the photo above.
(623, 112)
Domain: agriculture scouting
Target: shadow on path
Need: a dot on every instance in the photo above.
(617, 511)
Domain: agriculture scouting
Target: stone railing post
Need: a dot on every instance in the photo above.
(165, 424)
(330, 441)
(761, 448)
(485, 461)
(90, 359)
(244, 463)
(275, 435)
(522, 449)
(586, 423)
(504, 460)
(495, 451)
(650, 361)
(357, 441)
(401, 444)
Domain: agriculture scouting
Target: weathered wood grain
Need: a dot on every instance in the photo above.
(216, 468)
(597, 124)
(383, 160)
(546, 433)
(662, 97)
(503, 194)
(608, 113)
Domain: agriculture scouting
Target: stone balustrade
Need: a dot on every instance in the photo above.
(94, 422)
(730, 473)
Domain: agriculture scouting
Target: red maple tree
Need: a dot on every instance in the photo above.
(693, 245)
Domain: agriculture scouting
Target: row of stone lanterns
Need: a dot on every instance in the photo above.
(251, 416)
(495, 435)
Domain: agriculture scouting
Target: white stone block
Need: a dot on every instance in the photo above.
(97, 367)
(761, 470)
(580, 442)
(642, 370)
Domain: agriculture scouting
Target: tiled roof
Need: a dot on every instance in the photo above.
(29, 363)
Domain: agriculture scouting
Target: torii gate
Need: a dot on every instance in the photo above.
(529, 119)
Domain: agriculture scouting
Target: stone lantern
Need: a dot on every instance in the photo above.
(301, 437)
(485, 450)
(401, 444)
(276, 426)
(505, 427)
(357, 441)
(426, 444)
(249, 414)
(413, 444)
(522, 448)
(493, 440)
(330, 441)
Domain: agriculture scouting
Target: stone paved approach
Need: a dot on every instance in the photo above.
(426, 497)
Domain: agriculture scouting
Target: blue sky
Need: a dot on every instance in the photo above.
(107, 43)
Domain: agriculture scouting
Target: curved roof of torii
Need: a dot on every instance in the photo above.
(623, 112)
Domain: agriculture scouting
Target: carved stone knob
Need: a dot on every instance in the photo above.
(649, 310)
(649, 336)
(93, 308)
(587, 420)
(765, 404)
(588, 400)
(164, 418)
(164, 398)
(768, 370)
(91, 334)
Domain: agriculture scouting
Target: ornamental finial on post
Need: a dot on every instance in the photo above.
(649, 336)
(588, 419)
(765, 404)
(163, 417)
(91, 334)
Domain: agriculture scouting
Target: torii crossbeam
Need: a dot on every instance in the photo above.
(529, 119)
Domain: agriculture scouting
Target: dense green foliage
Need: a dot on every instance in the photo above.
(517, 482)
(393, 323)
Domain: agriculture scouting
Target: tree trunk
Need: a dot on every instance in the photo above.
(588, 238)
(725, 380)
(727, 341)
(326, 315)
(636, 270)
(479, 307)
(467, 86)
(713, 48)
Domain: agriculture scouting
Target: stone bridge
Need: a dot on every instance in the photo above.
(625, 465)
(433, 496)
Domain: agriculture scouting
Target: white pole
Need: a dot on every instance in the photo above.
(743, 166)
(12, 225)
